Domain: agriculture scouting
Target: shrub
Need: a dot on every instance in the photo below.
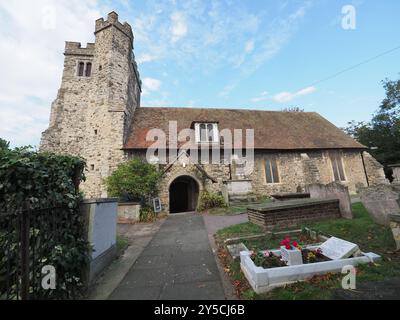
(48, 184)
(147, 214)
(209, 200)
(136, 178)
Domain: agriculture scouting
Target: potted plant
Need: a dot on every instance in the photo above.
(291, 252)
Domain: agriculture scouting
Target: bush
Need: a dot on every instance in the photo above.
(136, 178)
(48, 185)
(209, 200)
(147, 214)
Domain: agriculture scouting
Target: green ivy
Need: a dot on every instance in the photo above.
(47, 184)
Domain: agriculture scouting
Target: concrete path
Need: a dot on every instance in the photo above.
(138, 235)
(214, 223)
(177, 264)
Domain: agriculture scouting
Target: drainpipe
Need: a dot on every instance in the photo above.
(365, 169)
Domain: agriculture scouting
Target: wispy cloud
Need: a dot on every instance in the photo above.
(289, 96)
(262, 97)
(284, 96)
(179, 26)
(150, 85)
(32, 35)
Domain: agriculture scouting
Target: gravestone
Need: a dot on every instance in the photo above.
(235, 249)
(381, 201)
(395, 226)
(396, 172)
(333, 190)
(335, 248)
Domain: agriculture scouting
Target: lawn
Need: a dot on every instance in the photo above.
(361, 230)
(234, 209)
(122, 244)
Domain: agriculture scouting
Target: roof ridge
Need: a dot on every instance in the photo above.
(225, 109)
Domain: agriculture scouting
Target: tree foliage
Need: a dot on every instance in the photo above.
(382, 133)
(136, 178)
(4, 145)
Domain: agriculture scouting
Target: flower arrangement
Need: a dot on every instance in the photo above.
(290, 245)
(311, 256)
(291, 252)
(266, 259)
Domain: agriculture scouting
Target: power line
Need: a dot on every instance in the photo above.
(354, 66)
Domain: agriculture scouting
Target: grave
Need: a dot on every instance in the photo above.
(265, 279)
(395, 226)
(381, 201)
(291, 212)
(333, 190)
(396, 172)
(290, 196)
(335, 249)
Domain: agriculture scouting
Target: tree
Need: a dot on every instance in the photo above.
(4, 145)
(382, 133)
(136, 178)
(293, 109)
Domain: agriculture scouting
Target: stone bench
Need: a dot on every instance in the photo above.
(292, 212)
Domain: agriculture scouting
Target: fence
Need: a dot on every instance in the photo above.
(32, 239)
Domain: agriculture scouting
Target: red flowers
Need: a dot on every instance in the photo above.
(286, 243)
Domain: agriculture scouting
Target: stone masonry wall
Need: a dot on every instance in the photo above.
(292, 172)
(91, 115)
(375, 172)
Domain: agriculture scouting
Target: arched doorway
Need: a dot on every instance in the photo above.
(183, 195)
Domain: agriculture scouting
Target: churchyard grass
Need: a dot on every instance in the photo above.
(361, 230)
(235, 209)
(122, 244)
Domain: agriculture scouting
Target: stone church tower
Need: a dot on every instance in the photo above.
(99, 93)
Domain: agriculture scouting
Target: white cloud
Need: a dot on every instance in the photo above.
(145, 58)
(262, 97)
(227, 89)
(32, 35)
(150, 85)
(179, 26)
(249, 47)
(289, 96)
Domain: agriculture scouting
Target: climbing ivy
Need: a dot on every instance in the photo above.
(46, 185)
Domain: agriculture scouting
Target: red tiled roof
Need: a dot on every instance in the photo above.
(273, 130)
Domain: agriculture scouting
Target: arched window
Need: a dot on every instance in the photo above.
(203, 132)
(81, 69)
(88, 69)
(210, 132)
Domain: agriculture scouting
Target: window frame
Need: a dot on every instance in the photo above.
(85, 64)
(206, 125)
(275, 177)
(336, 160)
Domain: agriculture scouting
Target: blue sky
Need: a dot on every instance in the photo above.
(264, 55)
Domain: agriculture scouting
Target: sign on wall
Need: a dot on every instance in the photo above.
(157, 205)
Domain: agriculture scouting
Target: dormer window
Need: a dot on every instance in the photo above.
(206, 132)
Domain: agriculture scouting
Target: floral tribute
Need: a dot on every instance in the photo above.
(267, 259)
(290, 245)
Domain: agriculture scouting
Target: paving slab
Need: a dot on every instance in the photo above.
(178, 263)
